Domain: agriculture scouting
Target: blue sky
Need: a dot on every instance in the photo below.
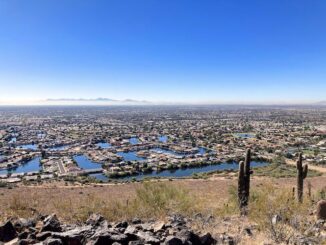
(163, 50)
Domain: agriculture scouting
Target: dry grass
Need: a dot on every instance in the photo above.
(215, 197)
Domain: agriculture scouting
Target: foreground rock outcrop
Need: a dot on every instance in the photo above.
(96, 231)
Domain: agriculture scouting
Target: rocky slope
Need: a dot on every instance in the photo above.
(97, 230)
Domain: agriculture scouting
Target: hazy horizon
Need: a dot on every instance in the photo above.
(164, 52)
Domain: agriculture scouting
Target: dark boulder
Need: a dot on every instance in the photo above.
(123, 224)
(321, 210)
(20, 224)
(172, 240)
(53, 241)
(148, 237)
(7, 232)
(188, 236)
(51, 223)
(43, 235)
(207, 239)
(95, 220)
(26, 242)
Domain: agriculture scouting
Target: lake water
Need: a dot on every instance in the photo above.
(30, 166)
(163, 139)
(130, 156)
(134, 141)
(101, 177)
(104, 145)
(190, 171)
(84, 163)
(245, 135)
(58, 148)
(41, 135)
(164, 151)
(13, 140)
(201, 150)
(28, 147)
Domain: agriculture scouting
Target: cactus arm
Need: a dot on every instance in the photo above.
(305, 171)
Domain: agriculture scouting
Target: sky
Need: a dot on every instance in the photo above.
(164, 51)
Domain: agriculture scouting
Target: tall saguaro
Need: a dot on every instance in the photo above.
(302, 171)
(244, 182)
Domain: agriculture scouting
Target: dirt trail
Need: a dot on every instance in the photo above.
(312, 167)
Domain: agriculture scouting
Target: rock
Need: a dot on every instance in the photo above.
(98, 231)
(135, 243)
(100, 240)
(148, 237)
(207, 239)
(23, 235)
(171, 240)
(31, 236)
(158, 226)
(7, 232)
(20, 224)
(26, 242)
(136, 221)
(51, 223)
(177, 221)
(276, 219)
(107, 238)
(321, 210)
(247, 231)
(187, 236)
(76, 236)
(95, 220)
(120, 238)
(131, 232)
(53, 241)
(123, 224)
(43, 235)
(224, 239)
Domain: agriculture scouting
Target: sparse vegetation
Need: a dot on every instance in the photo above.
(279, 169)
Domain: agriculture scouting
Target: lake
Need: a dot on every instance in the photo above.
(164, 151)
(58, 148)
(101, 177)
(201, 151)
(179, 173)
(163, 138)
(130, 156)
(28, 147)
(104, 145)
(245, 135)
(134, 141)
(84, 163)
(30, 166)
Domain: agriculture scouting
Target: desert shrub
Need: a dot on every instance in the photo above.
(277, 212)
(159, 199)
(230, 207)
(152, 200)
(21, 207)
(3, 184)
(321, 194)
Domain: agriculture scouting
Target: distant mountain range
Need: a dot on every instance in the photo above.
(321, 102)
(99, 100)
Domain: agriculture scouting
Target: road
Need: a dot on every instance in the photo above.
(61, 168)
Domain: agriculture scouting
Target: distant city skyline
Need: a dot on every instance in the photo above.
(162, 52)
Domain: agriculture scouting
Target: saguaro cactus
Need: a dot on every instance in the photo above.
(244, 182)
(302, 172)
